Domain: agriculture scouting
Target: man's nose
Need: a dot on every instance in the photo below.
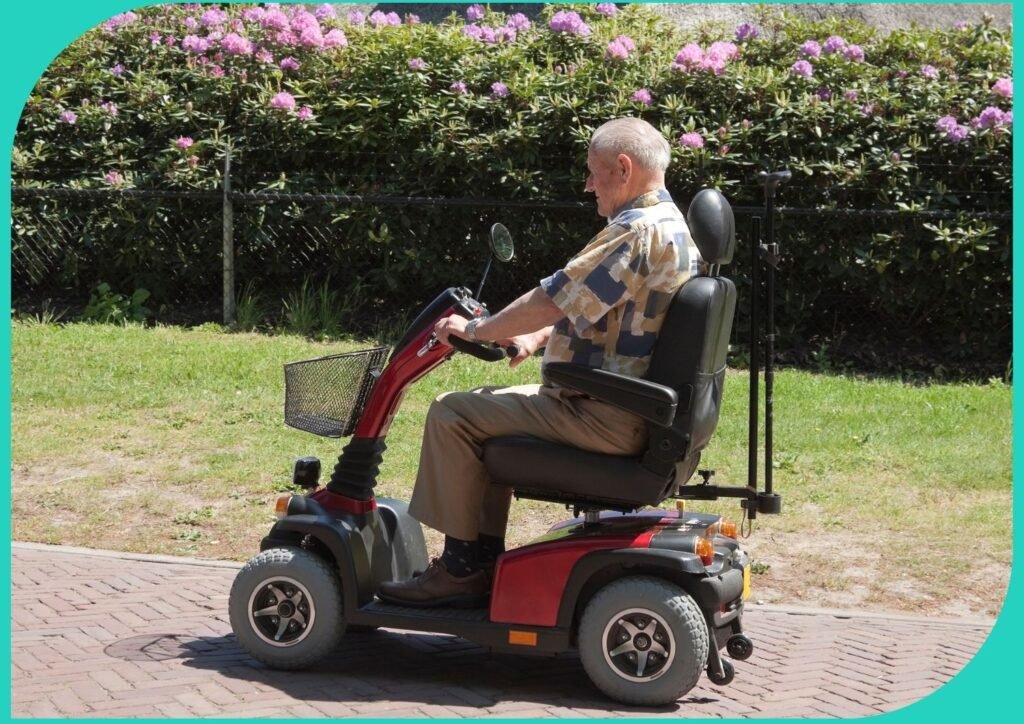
(588, 185)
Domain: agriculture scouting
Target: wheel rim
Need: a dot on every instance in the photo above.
(281, 611)
(639, 645)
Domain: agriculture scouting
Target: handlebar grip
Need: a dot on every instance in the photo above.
(512, 351)
(480, 351)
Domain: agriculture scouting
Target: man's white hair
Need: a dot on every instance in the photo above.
(636, 138)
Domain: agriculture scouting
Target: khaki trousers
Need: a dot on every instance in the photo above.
(453, 493)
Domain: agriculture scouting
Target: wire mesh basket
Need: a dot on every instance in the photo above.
(325, 396)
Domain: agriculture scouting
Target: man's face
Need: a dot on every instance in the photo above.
(606, 179)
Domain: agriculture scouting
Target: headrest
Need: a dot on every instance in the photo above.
(712, 226)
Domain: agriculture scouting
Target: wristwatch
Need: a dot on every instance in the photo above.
(471, 329)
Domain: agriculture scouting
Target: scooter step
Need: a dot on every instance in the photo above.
(381, 608)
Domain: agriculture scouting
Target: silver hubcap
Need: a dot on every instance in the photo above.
(638, 645)
(281, 611)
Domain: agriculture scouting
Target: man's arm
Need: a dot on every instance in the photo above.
(526, 322)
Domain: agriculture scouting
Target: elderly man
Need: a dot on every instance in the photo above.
(604, 309)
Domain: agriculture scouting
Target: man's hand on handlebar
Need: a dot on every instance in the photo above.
(451, 325)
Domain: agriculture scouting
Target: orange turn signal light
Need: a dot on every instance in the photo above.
(281, 504)
(704, 548)
(723, 527)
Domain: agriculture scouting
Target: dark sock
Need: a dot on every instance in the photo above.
(489, 549)
(460, 556)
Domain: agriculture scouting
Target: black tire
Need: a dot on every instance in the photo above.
(285, 608)
(643, 641)
(727, 675)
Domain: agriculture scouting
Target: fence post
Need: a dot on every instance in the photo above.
(229, 243)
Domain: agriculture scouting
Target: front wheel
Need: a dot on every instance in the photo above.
(285, 608)
(643, 640)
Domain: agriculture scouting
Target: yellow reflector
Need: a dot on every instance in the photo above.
(681, 505)
(746, 582)
(281, 504)
(522, 638)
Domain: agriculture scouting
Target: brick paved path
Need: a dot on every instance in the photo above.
(103, 635)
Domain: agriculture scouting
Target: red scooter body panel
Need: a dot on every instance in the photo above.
(529, 581)
(407, 367)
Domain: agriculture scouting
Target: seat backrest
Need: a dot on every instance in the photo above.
(690, 353)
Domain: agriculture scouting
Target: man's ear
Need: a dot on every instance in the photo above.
(625, 166)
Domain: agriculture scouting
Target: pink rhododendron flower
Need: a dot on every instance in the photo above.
(691, 140)
(567, 21)
(120, 20)
(274, 19)
(335, 39)
(264, 56)
(213, 16)
(109, 108)
(325, 11)
(194, 44)
(117, 71)
(850, 95)
(458, 87)
(69, 117)
(1003, 87)
(216, 71)
(833, 45)
(607, 9)
(690, 56)
(183, 142)
(746, 31)
(191, 23)
(289, 63)
(474, 13)
(929, 71)
(417, 64)
(193, 161)
(642, 95)
(802, 68)
(283, 101)
(287, 38)
(305, 114)
(411, 19)
(356, 18)
(854, 53)
(616, 51)
(724, 49)
(627, 42)
(811, 49)
(518, 22)
(113, 178)
(499, 90)
(990, 117)
(253, 15)
(236, 45)
(155, 38)
(379, 19)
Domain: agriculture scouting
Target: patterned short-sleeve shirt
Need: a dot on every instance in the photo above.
(616, 291)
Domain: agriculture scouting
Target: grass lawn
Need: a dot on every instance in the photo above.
(170, 440)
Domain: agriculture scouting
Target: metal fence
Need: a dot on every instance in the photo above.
(199, 252)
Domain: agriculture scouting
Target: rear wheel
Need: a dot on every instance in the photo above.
(285, 608)
(643, 640)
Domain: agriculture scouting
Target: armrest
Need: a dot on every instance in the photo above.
(651, 401)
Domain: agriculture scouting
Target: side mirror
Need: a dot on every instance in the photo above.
(502, 245)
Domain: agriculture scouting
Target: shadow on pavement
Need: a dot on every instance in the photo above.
(400, 666)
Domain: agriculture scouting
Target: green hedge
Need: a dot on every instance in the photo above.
(376, 108)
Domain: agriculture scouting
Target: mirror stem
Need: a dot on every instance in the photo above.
(487, 269)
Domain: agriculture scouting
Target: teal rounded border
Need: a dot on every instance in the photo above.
(36, 34)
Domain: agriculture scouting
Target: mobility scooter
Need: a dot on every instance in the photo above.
(647, 596)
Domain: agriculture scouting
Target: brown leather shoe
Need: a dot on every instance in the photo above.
(437, 587)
